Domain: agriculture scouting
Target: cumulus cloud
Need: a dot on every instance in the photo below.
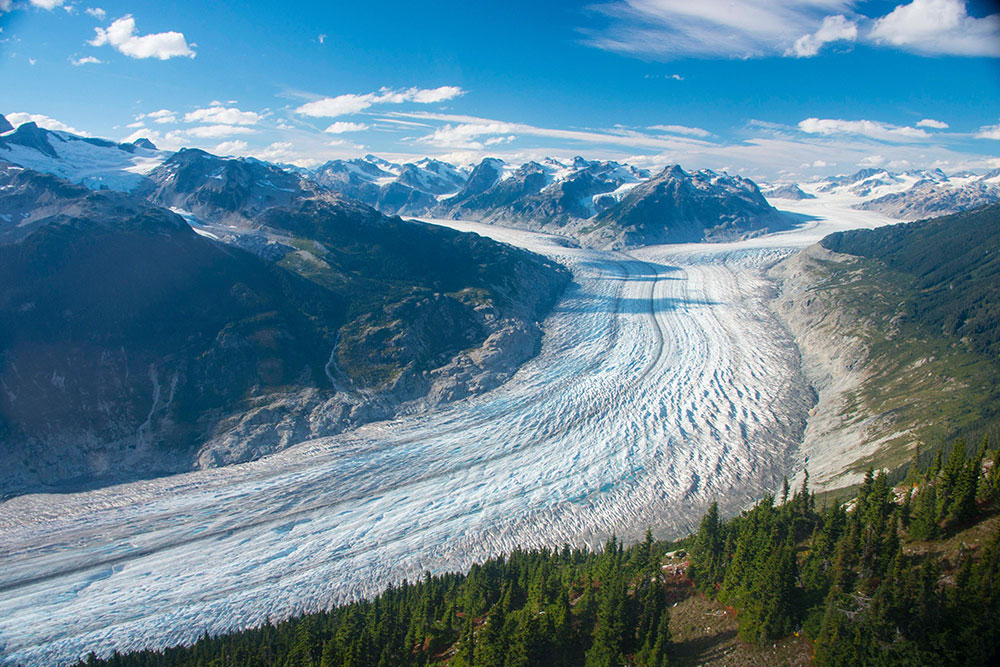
(833, 29)
(341, 127)
(162, 116)
(86, 60)
(936, 27)
(279, 151)
(218, 114)
(121, 36)
(96, 12)
(985, 132)
(18, 117)
(215, 131)
(866, 128)
(934, 124)
(330, 107)
(236, 147)
(46, 4)
(681, 129)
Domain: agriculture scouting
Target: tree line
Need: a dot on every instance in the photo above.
(839, 575)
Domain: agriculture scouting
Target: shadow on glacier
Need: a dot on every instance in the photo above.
(588, 303)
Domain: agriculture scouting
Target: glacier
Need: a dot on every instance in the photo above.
(664, 382)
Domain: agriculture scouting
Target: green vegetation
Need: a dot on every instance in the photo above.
(925, 301)
(861, 581)
(559, 607)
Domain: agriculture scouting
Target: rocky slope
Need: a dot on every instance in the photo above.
(897, 329)
(131, 345)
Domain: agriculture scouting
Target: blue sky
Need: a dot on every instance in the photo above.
(770, 89)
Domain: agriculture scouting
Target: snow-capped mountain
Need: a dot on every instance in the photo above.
(222, 190)
(549, 191)
(676, 206)
(908, 195)
(790, 191)
(96, 163)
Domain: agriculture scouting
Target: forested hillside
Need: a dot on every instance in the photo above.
(899, 331)
(953, 266)
(908, 576)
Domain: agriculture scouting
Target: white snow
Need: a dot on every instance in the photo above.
(663, 383)
(87, 164)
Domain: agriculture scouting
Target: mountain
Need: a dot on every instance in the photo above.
(222, 190)
(132, 346)
(676, 206)
(407, 189)
(929, 198)
(96, 163)
(790, 191)
(912, 195)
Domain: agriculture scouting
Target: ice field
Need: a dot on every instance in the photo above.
(664, 382)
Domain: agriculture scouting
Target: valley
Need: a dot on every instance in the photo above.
(664, 382)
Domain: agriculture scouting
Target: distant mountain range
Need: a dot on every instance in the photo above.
(585, 199)
(600, 203)
(909, 195)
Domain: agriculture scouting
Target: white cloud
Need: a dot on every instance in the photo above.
(462, 133)
(871, 161)
(935, 124)
(668, 29)
(163, 116)
(279, 151)
(681, 129)
(121, 36)
(985, 132)
(834, 29)
(137, 123)
(866, 128)
(322, 38)
(342, 126)
(216, 113)
(934, 27)
(96, 12)
(329, 107)
(236, 147)
(215, 131)
(47, 4)
(17, 118)
(87, 60)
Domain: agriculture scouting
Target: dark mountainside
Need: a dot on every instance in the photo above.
(132, 346)
(953, 265)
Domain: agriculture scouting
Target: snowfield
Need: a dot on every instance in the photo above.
(664, 382)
